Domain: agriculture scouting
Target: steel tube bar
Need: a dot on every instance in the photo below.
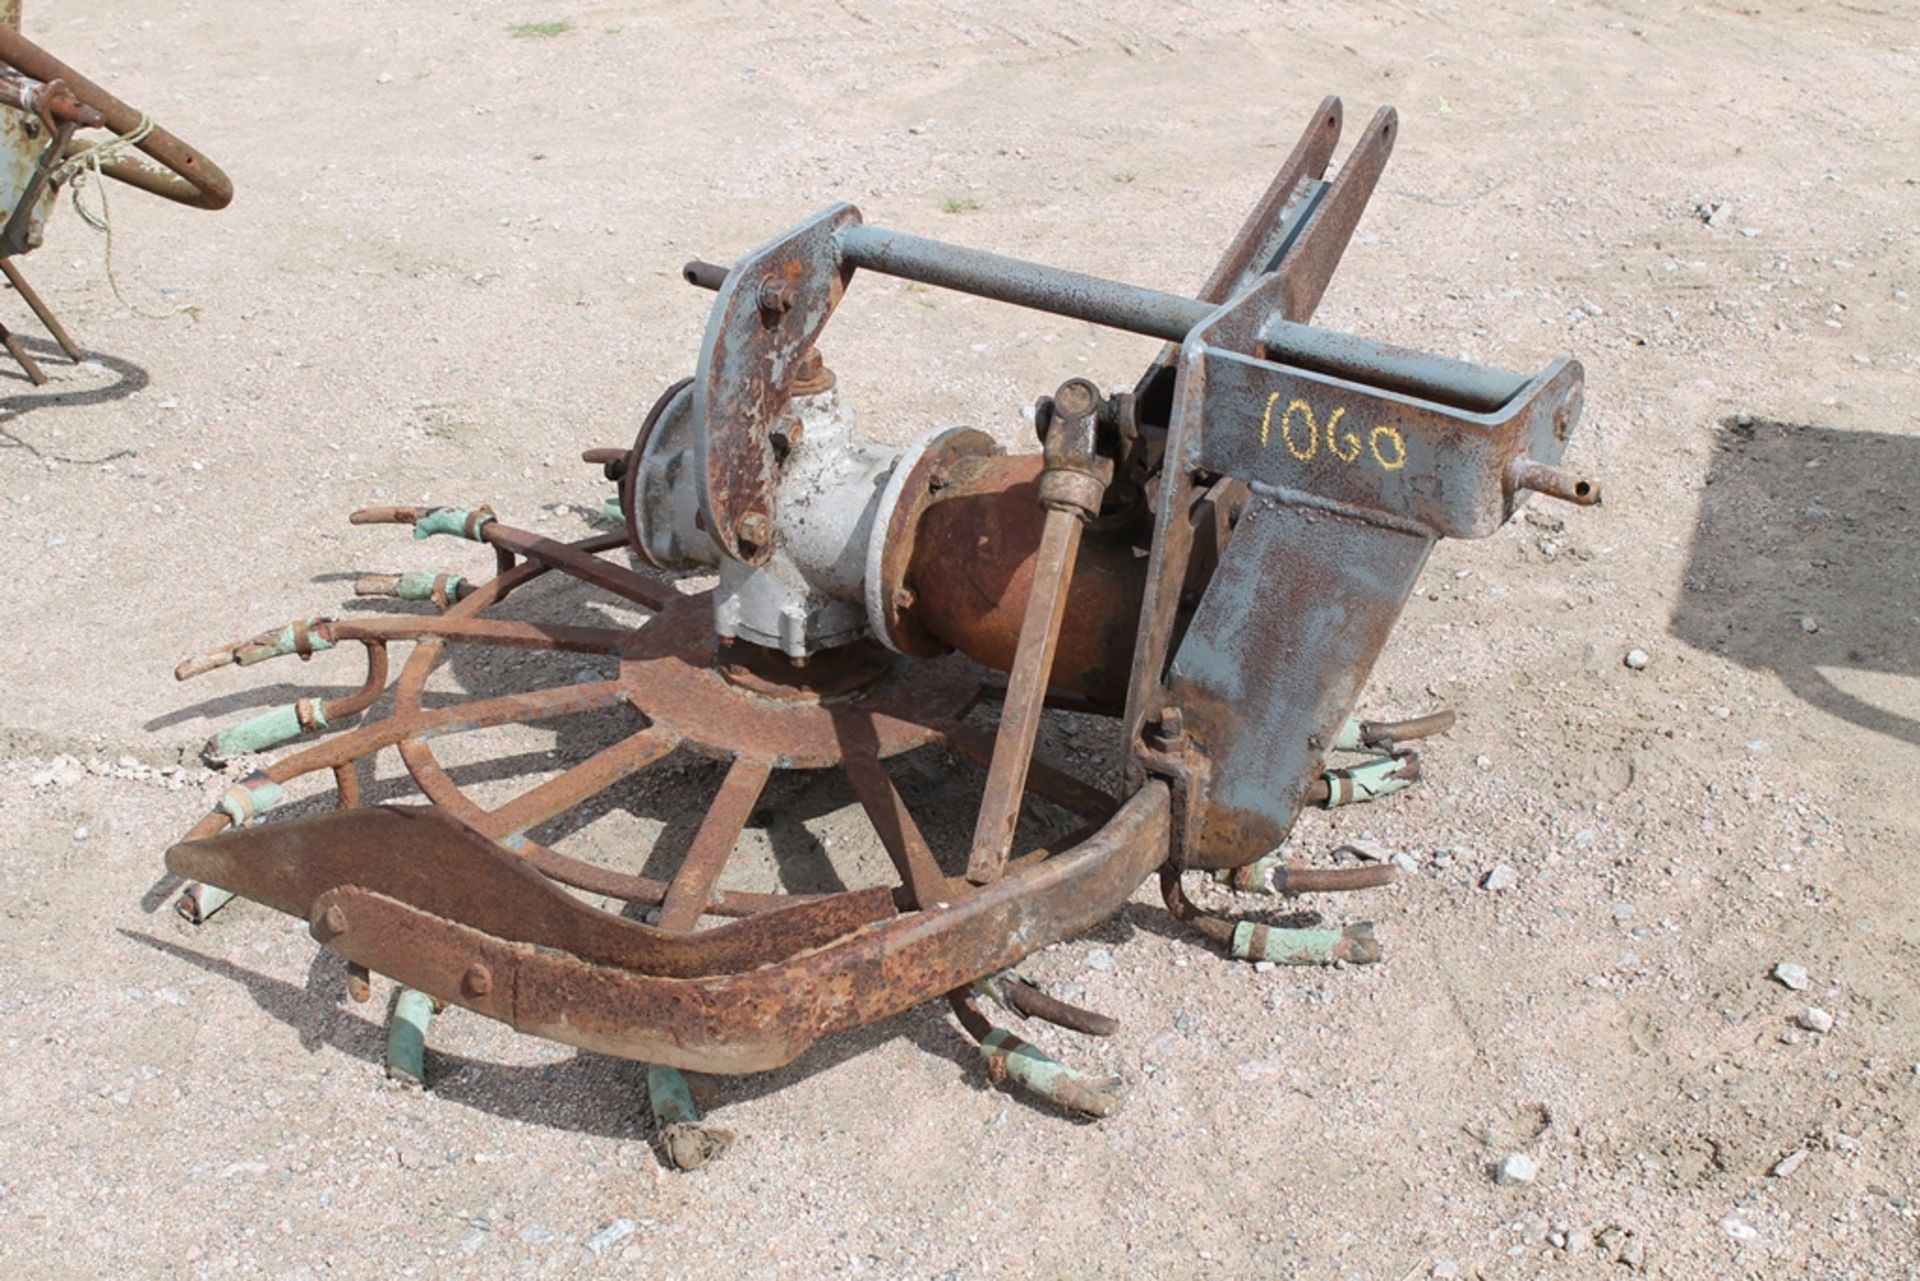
(1024, 284)
(1454, 383)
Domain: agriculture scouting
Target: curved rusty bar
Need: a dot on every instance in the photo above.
(756, 1019)
(194, 179)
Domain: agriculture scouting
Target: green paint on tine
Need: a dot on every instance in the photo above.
(689, 1143)
(268, 729)
(417, 584)
(1033, 1069)
(1368, 781)
(452, 520)
(249, 798)
(669, 1097)
(284, 643)
(1256, 942)
(407, 1037)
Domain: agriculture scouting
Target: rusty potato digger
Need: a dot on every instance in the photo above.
(1210, 558)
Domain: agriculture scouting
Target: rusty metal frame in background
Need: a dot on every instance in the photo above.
(43, 102)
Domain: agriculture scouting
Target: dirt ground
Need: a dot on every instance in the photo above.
(453, 262)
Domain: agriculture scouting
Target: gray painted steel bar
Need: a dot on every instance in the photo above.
(1453, 383)
(1022, 283)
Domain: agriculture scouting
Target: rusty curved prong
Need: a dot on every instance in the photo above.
(190, 177)
(1246, 940)
(1009, 1058)
(1028, 999)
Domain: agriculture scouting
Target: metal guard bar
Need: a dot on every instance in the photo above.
(759, 1017)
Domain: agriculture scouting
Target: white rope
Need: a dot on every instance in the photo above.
(77, 167)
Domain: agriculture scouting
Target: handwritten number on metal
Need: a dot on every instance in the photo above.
(1301, 433)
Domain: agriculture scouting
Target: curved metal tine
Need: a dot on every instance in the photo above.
(687, 897)
(570, 787)
(894, 824)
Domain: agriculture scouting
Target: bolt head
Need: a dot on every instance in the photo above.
(334, 921)
(478, 980)
(755, 528)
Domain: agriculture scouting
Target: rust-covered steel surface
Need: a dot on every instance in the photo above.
(189, 177)
(1212, 558)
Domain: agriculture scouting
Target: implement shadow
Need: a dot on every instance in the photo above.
(128, 379)
(1806, 564)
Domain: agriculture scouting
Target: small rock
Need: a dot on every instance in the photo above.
(613, 1234)
(1406, 862)
(1789, 1163)
(534, 1234)
(384, 78)
(1502, 877)
(1809, 624)
(80, 833)
(1100, 959)
(1367, 851)
(1815, 1019)
(1637, 659)
(1516, 1169)
(1791, 976)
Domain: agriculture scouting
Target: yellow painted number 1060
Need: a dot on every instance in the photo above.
(1301, 433)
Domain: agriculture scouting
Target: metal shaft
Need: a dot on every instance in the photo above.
(1454, 383)
(1025, 284)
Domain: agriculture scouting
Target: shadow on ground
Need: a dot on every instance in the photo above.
(128, 378)
(1806, 563)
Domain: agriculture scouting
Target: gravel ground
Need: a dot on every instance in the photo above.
(453, 262)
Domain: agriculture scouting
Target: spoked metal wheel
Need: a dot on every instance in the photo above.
(459, 901)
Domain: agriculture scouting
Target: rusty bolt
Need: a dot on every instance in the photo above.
(775, 300)
(359, 982)
(903, 598)
(1169, 726)
(754, 528)
(334, 921)
(478, 980)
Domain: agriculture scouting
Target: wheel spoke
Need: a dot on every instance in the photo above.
(576, 559)
(713, 843)
(888, 813)
(595, 774)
